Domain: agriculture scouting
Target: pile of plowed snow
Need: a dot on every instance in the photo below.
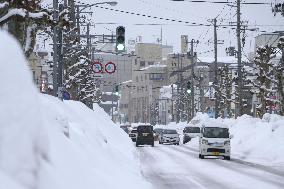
(46, 143)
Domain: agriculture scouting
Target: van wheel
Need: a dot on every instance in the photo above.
(227, 157)
(201, 156)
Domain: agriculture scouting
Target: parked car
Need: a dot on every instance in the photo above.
(190, 132)
(214, 140)
(126, 128)
(157, 133)
(145, 135)
(133, 134)
(169, 136)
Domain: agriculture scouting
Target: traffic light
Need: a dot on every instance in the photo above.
(120, 39)
(116, 90)
(188, 87)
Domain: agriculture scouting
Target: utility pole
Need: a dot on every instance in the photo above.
(201, 92)
(60, 59)
(216, 68)
(178, 92)
(55, 48)
(172, 107)
(239, 104)
(192, 76)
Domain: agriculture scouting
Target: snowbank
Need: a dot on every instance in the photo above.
(46, 143)
(258, 140)
(22, 138)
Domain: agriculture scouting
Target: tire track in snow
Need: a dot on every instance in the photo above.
(254, 172)
(163, 178)
(246, 163)
(199, 177)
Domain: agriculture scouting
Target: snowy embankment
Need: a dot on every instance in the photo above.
(255, 140)
(258, 140)
(46, 143)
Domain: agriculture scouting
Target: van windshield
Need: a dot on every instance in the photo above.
(216, 132)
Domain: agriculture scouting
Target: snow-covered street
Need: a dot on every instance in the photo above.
(170, 166)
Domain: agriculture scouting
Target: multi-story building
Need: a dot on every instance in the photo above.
(149, 74)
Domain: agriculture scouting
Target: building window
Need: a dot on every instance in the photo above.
(142, 63)
(135, 61)
(136, 78)
(156, 76)
(145, 77)
(150, 63)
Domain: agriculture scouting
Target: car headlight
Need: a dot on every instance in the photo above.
(204, 141)
(227, 143)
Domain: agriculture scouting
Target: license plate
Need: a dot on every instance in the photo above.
(215, 153)
(145, 134)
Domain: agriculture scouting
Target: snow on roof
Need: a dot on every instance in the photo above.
(107, 93)
(125, 82)
(107, 102)
(154, 66)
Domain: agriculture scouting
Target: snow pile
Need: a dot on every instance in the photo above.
(46, 143)
(258, 140)
(22, 138)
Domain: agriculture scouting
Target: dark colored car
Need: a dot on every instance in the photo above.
(145, 135)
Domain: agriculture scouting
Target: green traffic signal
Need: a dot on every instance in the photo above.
(188, 87)
(120, 39)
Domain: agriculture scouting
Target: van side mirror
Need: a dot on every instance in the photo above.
(231, 136)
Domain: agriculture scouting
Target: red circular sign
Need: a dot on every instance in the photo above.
(97, 67)
(110, 67)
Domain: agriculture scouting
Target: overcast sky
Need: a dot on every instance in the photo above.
(185, 11)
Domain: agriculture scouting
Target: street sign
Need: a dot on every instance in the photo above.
(66, 95)
(110, 67)
(97, 67)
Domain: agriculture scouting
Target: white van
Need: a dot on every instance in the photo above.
(214, 140)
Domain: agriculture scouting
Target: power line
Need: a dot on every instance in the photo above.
(227, 2)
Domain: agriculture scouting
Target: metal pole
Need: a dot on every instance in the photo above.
(201, 94)
(172, 108)
(78, 21)
(60, 59)
(239, 104)
(55, 48)
(192, 79)
(178, 92)
(216, 68)
(112, 103)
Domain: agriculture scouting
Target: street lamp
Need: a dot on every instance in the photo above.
(111, 3)
(78, 11)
